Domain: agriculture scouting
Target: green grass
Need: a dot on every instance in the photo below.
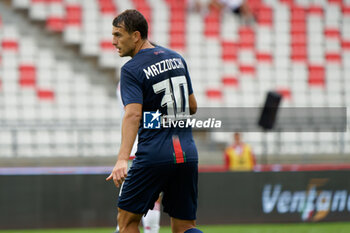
(343, 227)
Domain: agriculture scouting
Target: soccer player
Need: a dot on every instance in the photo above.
(155, 81)
(150, 222)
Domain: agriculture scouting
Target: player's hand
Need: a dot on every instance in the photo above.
(119, 172)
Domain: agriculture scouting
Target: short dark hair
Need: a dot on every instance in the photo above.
(133, 21)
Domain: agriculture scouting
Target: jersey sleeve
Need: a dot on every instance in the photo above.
(188, 79)
(130, 88)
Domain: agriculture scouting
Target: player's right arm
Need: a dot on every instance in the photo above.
(131, 92)
(130, 125)
(193, 104)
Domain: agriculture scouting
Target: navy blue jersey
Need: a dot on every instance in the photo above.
(158, 79)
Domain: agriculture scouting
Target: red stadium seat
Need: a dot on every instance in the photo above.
(27, 75)
(177, 4)
(285, 92)
(178, 14)
(339, 2)
(212, 29)
(333, 57)
(106, 45)
(177, 21)
(246, 37)
(345, 45)
(263, 57)
(44, 94)
(246, 32)
(73, 15)
(316, 75)
(213, 93)
(288, 2)
(9, 44)
(212, 23)
(298, 39)
(299, 53)
(298, 34)
(346, 10)
(55, 23)
(178, 40)
(247, 69)
(177, 27)
(254, 3)
(332, 33)
(315, 10)
(298, 27)
(107, 7)
(265, 16)
(230, 81)
(229, 51)
(298, 13)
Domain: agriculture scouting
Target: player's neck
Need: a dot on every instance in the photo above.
(144, 44)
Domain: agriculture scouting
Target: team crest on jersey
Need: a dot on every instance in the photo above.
(151, 120)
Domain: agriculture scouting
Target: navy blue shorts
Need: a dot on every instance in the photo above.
(178, 182)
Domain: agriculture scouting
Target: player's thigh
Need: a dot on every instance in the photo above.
(180, 226)
(126, 218)
(140, 190)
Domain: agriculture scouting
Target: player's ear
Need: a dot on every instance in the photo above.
(136, 36)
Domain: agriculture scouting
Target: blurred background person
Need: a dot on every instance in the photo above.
(238, 7)
(239, 155)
